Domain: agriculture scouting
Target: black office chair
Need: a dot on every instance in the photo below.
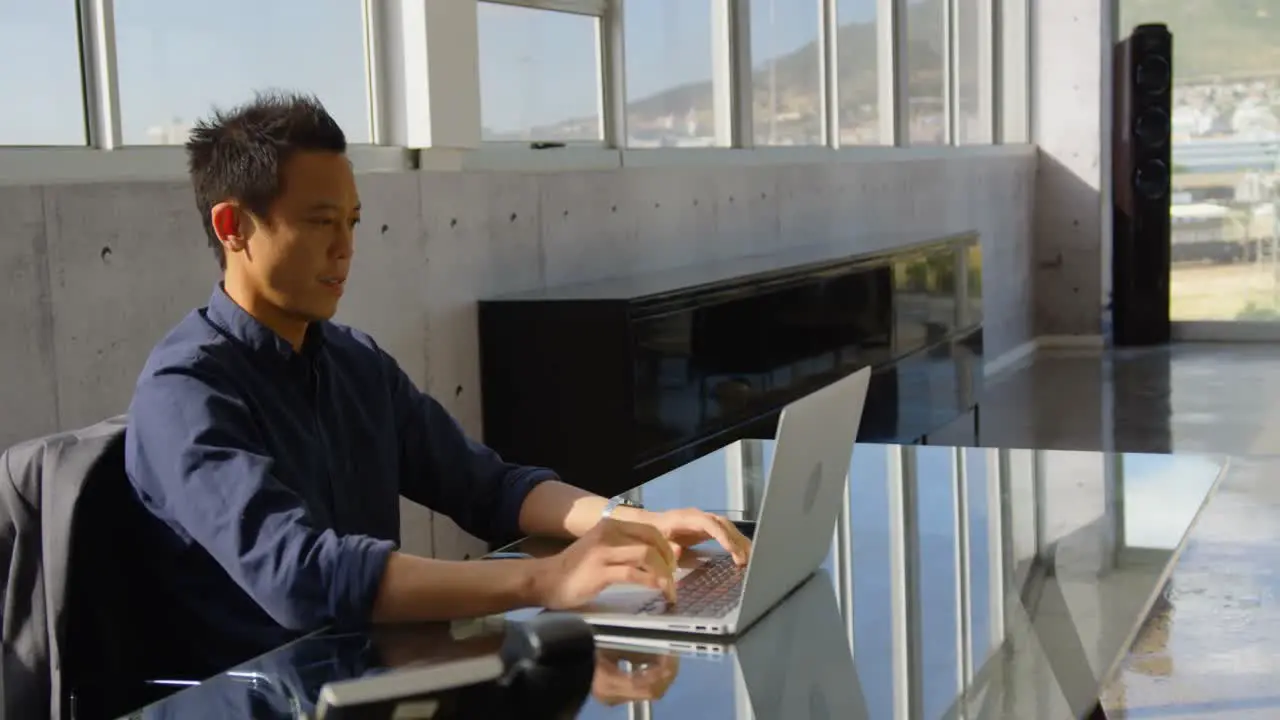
(111, 658)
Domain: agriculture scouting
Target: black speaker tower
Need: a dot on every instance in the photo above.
(1142, 166)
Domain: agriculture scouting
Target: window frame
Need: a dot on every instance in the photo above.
(611, 94)
(430, 121)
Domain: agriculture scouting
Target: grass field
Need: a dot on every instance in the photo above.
(1243, 291)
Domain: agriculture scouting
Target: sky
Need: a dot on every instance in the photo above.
(176, 59)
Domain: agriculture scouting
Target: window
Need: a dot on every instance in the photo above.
(786, 81)
(973, 52)
(925, 72)
(1226, 163)
(40, 74)
(670, 88)
(539, 75)
(177, 60)
(857, 72)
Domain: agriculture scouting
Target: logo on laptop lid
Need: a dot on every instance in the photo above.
(811, 489)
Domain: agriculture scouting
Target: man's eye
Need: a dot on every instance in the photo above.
(355, 222)
(321, 221)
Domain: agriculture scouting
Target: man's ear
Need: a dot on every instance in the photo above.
(231, 225)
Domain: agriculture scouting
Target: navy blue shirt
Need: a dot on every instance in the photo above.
(274, 479)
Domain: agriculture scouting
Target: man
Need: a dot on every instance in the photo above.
(271, 445)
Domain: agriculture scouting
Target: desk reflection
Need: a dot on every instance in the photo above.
(967, 583)
(950, 555)
(788, 665)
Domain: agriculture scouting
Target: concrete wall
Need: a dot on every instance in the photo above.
(95, 274)
(1069, 104)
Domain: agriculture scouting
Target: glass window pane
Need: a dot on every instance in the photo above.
(41, 34)
(670, 90)
(1226, 160)
(177, 60)
(858, 66)
(539, 75)
(787, 89)
(973, 66)
(926, 79)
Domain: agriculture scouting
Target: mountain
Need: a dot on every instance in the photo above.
(1214, 37)
(798, 71)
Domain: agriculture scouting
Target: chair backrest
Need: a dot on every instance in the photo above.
(74, 587)
(109, 644)
(41, 489)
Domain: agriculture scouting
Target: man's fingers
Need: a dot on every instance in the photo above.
(646, 559)
(649, 535)
(632, 575)
(676, 549)
(629, 575)
(639, 555)
(738, 540)
(714, 528)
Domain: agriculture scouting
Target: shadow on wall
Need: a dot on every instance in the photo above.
(1066, 251)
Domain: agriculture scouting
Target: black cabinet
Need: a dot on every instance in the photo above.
(613, 383)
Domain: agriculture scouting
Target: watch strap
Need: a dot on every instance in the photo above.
(613, 504)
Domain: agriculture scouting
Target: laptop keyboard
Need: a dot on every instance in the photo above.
(712, 590)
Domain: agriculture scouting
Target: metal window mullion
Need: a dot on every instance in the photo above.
(950, 72)
(734, 478)
(1113, 493)
(722, 75)
(987, 43)
(1027, 86)
(742, 91)
(830, 65)
(98, 67)
(914, 571)
(997, 471)
(613, 75)
(998, 59)
(1008, 579)
(1039, 492)
(906, 656)
(886, 71)
(375, 70)
(899, 657)
(964, 590)
(898, 42)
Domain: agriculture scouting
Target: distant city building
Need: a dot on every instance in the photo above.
(175, 132)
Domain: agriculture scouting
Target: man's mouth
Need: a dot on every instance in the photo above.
(333, 282)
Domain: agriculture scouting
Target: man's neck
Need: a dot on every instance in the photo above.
(291, 330)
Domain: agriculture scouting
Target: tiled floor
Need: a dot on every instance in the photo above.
(1213, 649)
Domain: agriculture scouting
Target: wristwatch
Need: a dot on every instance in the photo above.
(613, 504)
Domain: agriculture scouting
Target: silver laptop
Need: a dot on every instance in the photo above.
(798, 512)
(797, 662)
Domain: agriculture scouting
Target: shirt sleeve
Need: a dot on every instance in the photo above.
(194, 451)
(450, 473)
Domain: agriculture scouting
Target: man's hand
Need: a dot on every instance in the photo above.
(612, 552)
(649, 678)
(689, 527)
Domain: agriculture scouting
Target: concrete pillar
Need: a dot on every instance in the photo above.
(1070, 109)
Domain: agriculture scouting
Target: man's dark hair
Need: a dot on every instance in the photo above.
(238, 154)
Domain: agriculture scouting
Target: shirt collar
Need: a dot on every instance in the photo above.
(240, 325)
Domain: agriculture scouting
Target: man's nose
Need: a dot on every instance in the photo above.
(345, 245)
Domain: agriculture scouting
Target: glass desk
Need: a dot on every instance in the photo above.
(961, 583)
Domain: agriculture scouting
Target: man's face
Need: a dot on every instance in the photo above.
(297, 258)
